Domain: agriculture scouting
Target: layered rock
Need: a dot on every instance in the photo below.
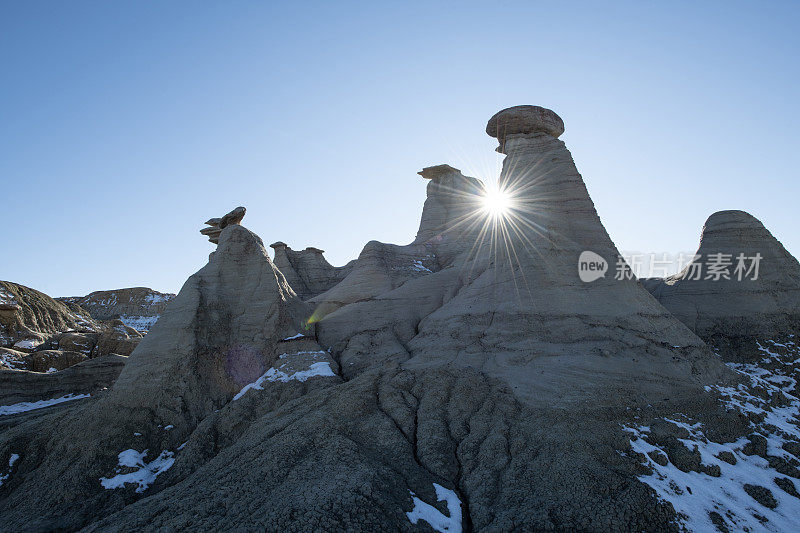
(751, 295)
(307, 271)
(29, 317)
(136, 307)
(86, 377)
(216, 225)
(41, 334)
(478, 369)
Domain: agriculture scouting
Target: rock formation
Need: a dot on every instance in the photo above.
(86, 377)
(42, 334)
(307, 271)
(469, 380)
(136, 307)
(216, 225)
(752, 295)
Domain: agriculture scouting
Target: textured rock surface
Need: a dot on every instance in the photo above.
(41, 334)
(30, 314)
(216, 225)
(137, 307)
(524, 120)
(733, 314)
(83, 378)
(473, 358)
(307, 271)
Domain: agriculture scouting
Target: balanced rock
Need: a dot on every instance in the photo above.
(216, 225)
(524, 120)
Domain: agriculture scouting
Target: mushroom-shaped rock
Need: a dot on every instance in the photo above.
(234, 217)
(524, 119)
(437, 171)
(216, 225)
(279, 244)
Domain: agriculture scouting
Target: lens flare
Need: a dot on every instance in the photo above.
(496, 202)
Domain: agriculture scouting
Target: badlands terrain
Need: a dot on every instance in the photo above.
(469, 380)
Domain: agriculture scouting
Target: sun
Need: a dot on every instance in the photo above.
(496, 202)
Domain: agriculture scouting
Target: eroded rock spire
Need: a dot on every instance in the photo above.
(216, 225)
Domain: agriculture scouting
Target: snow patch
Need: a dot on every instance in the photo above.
(30, 406)
(11, 461)
(321, 368)
(433, 516)
(27, 344)
(145, 473)
(299, 335)
(774, 414)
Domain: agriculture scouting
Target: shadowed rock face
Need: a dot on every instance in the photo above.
(307, 271)
(473, 358)
(733, 313)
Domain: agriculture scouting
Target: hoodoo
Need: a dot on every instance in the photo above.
(472, 380)
(741, 288)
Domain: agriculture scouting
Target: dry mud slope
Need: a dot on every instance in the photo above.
(466, 381)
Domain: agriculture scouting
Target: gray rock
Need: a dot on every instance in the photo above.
(731, 314)
(234, 217)
(500, 376)
(762, 495)
(524, 120)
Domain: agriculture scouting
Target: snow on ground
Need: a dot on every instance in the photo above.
(433, 516)
(10, 362)
(30, 406)
(287, 371)
(299, 335)
(158, 298)
(139, 323)
(11, 461)
(27, 344)
(144, 473)
(415, 266)
(322, 369)
(7, 298)
(752, 494)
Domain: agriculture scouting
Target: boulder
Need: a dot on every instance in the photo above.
(54, 360)
(77, 342)
(524, 120)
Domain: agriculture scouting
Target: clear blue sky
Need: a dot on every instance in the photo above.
(125, 125)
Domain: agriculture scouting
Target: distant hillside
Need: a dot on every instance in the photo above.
(137, 307)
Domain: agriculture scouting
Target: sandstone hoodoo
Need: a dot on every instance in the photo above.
(216, 225)
(470, 380)
(741, 283)
(740, 293)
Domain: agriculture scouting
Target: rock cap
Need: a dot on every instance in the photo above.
(216, 225)
(437, 171)
(524, 119)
